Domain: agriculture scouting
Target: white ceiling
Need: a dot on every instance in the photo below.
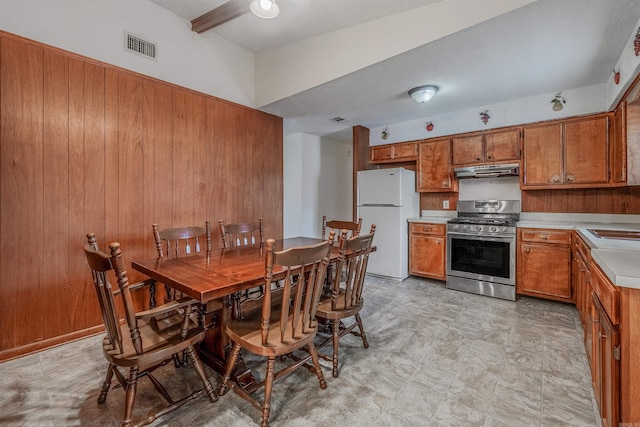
(547, 46)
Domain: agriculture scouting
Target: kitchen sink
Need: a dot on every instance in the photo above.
(616, 234)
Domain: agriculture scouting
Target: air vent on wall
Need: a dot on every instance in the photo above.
(338, 119)
(140, 46)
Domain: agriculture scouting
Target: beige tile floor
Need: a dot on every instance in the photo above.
(436, 358)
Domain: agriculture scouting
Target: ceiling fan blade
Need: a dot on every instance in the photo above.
(218, 16)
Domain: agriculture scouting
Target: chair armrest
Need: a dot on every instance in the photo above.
(137, 285)
(167, 309)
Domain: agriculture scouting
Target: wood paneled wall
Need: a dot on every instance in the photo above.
(87, 147)
(623, 200)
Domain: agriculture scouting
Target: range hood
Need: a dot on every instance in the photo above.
(487, 171)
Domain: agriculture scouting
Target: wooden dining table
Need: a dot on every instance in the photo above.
(213, 278)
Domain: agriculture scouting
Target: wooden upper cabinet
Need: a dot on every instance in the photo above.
(381, 153)
(467, 149)
(587, 151)
(487, 147)
(389, 153)
(542, 155)
(434, 171)
(502, 146)
(571, 153)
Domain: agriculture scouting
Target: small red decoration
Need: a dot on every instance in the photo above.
(636, 43)
(429, 126)
(616, 76)
(484, 116)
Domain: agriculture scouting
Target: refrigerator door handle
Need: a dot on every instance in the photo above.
(383, 205)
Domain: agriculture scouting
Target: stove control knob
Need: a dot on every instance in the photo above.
(465, 227)
(503, 229)
(478, 228)
(455, 226)
(493, 229)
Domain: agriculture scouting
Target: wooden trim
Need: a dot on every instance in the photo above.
(361, 160)
(35, 347)
(218, 16)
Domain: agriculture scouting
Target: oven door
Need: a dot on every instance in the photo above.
(485, 258)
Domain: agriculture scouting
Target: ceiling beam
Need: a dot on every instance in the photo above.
(218, 16)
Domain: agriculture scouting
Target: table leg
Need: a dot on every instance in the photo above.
(215, 347)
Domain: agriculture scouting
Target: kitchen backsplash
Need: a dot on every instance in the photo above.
(503, 188)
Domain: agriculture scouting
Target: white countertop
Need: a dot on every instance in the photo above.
(619, 259)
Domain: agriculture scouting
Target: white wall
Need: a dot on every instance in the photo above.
(95, 29)
(318, 181)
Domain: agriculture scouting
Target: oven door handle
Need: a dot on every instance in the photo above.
(492, 238)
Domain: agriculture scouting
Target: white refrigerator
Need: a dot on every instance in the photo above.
(387, 198)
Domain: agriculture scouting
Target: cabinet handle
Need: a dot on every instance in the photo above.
(527, 250)
(438, 242)
(489, 157)
(545, 237)
(595, 321)
(555, 178)
(426, 229)
(570, 178)
(445, 183)
(478, 158)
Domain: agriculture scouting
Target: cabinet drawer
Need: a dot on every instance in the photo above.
(427, 228)
(607, 293)
(546, 236)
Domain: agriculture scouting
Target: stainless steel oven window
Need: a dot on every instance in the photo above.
(481, 257)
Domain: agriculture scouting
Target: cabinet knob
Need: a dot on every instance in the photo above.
(555, 178)
(478, 158)
(570, 178)
(438, 242)
(489, 157)
(527, 250)
(445, 183)
(545, 237)
(425, 229)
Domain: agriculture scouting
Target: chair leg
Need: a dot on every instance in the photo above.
(197, 364)
(316, 364)
(132, 385)
(268, 387)
(336, 344)
(106, 384)
(365, 343)
(231, 363)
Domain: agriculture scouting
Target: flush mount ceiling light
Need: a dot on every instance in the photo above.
(423, 93)
(265, 9)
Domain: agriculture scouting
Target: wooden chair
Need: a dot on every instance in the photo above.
(145, 340)
(337, 225)
(180, 241)
(284, 325)
(346, 299)
(241, 234)
(238, 235)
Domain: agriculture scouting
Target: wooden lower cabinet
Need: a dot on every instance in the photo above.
(544, 264)
(427, 250)
(605, 348)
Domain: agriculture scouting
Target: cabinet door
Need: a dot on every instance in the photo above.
(379, 154)
(587, 151)
(545, 271)
(405, 151)
(427, 256)
(467, 150)
(542, 155)
(502, 146)
(610, 375)
(433, 168)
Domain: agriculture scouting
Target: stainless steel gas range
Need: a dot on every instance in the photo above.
(481, 248)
